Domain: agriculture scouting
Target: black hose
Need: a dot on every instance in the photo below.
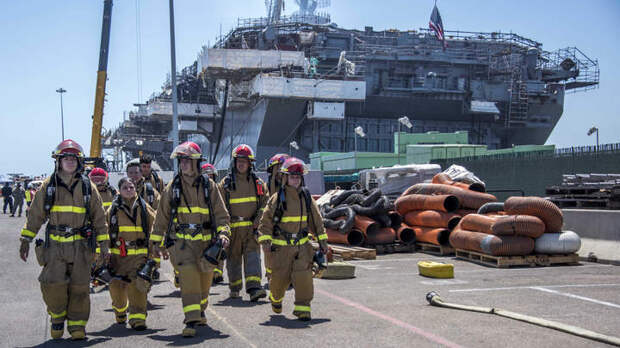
(337, 212)
(334, 225)
(491, 207)
(383, 220)
(376, 209)
(336, 200)
(353, 199)
(371, 198)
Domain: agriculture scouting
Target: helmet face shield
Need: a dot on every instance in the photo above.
(189, 150)
(68, 148)
(294, 166)
(243, 151)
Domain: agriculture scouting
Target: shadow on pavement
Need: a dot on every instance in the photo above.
(69, 343)
(202, 334)
(283, 322)
(123, 330)
(175, 293)
(238, 302)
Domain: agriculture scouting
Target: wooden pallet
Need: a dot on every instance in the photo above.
(394, 248)
(346, 252)
(509, 261)
(440, 250)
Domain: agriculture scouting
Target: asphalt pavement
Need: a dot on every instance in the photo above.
(384, 306)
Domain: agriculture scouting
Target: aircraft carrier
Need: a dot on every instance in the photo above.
(300, 78)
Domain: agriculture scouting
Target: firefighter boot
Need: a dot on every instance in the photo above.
(203, 319)
(57, 330)
(189, 330)
(256, 294)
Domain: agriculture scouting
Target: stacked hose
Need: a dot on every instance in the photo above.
(357, 217)
(520, 226)
(434, 210)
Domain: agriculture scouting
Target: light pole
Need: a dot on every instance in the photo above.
(592, 131)
(403, 121)
(358, 131)
(62, 116)
(292, 144)
(173, 84)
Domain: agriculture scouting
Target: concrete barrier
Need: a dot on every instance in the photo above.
(599, 231)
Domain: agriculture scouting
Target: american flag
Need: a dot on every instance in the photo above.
(436, 25)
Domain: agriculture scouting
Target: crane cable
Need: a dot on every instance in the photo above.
(138, 51)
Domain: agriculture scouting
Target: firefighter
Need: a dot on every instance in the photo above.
(275, 181)
(190, 218)
(290, 216)
(245, 196)
(130, 220)
(144, 188)
(149, 174)
(210, 170)
(100, 178)
(273, 168)
(71, 205)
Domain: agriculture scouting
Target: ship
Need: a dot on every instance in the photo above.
(301, 84)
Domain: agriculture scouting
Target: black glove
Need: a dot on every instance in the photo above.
(24, 247)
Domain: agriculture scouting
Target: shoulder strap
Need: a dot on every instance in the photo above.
(144, 217)
(157, 180)
(308, 201)
(50, 194)
(150, 193)
(207, 191)
(116, 203)
(86, 192)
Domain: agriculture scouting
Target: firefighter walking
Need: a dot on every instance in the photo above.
(218, 274)
(99, 177)
(130, 220)
(191, 217)
(71, 205)
(290, 216)
(275, 182)
(245, 196)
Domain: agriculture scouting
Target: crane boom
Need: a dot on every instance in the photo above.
(95, 140)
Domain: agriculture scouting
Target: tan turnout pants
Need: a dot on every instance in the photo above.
(292, 264)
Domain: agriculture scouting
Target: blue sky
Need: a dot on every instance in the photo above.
(51, 44)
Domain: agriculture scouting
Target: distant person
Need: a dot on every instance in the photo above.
(150, 175)
(18, 199)
(7, 194)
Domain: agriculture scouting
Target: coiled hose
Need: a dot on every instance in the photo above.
(548, 212)
(491, 244)
(432, 218)
(491, 207)
(437, 236)
(445, 203)
(469, 199)
(336, 200)
(509, 225)
(443, 178)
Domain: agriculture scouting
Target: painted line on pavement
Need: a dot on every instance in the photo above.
(428, 335)
(531, 287)
(231, 328)
(604, 303)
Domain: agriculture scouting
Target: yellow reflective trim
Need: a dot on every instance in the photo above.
(193, 307)
(222, 228)
(284, 243)
(294, 219)
(137, 316)
(76, 322)
(28, 233)
(156, 238)
(323, 236)
(194, 210)
(242, 200)
(252, 278)
(268, 270)
(143, 251)
(204, 301)
(264, 237)
(102, 237)
(273, 299)
(241, 224)
(121, 310)
(130, 228)
(217, 270)
(302, 308)
(65, 239)
(199, 236)
(157, 259)
(98, 250)
(67, 209)
(59, 315)
(107, 204)
(236, 282)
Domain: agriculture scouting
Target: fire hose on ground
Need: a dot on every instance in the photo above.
(434, 299)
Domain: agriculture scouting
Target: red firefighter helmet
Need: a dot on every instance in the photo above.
(68, 147)
(208, 168)
(294, 166)
(98, 175)
(277, 159)
(188, 149)
(243, 151)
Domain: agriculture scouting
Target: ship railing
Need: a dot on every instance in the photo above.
(588, 68)
(492, 36)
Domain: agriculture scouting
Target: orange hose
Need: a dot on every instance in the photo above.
(385, 235)
(437, 236)
(405, 234)
(469, 199)
(366, 225)
(442, 178)
(445, 203)
(491, 244)
(509, 225)
(432, 218)
(355, 237)
(548, 212)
